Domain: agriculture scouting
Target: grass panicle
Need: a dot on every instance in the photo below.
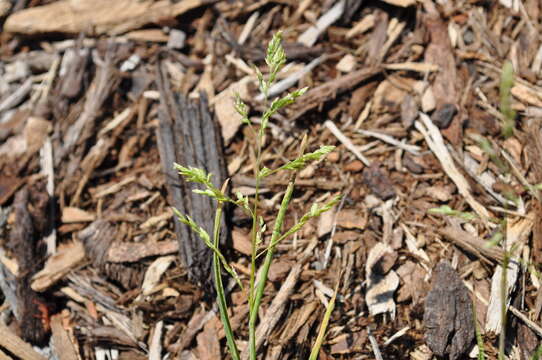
(275, 59)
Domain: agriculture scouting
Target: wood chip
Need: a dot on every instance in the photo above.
(16, 345)
(448, 314)
(61, 341)
(229, 119)
(75, 215)
(57, 266)
(346, 64)
(381, 283)
(155, 272)
(106, 17)
(309, 37)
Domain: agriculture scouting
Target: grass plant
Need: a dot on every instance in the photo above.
(505, 90)
(275, 59)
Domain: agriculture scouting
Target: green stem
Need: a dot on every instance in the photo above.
(221, 298)
(265, 270)
(254, 245)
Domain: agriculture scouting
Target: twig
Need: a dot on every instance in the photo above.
(346, 142)
(47, 168)
(435, 141)
(531, 324)
(17, 96)
(374, 345)
(291, 80)
(397, 335)
(333, 229)
(413, 149)
(155, 345)
(310, 35)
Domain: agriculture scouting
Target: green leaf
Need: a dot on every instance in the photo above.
(279, 103)
(203, 235)
(507, 82)
(265, 172)
(301, 162)
(264, 88)
(446, 210)
(241, 108)
(314, 211)
(193, 174)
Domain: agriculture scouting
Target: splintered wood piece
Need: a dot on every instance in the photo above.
(401, 3)
(329, 90)
(16, 345)
(120, 252)
(58, 265)
(229, 119)
(105, 17)
(23, 242)
(346, 142)
(75, 215)
(472, 244)
(196, 323)
(62, 347)
(310, 35)
(155, 346)
(8, 186)
(154, 273)
(516, 234)
(448, 314)
(188, 135)
(105, 81)
(435, 141)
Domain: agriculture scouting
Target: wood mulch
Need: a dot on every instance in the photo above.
(98, 98)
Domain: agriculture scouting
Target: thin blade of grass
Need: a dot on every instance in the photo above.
(325, 322)
(478, 334)
(220, 294)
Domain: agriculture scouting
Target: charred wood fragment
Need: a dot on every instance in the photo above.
(31, 309)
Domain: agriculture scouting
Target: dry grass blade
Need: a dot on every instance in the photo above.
(324, 324)
(436, 143)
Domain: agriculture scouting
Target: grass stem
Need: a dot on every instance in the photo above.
(221, 298)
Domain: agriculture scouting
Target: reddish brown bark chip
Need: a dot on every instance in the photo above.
(448, 315)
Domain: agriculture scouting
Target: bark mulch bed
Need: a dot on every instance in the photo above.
(98, 98)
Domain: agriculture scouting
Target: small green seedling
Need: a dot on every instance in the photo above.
(509, 115)
(446, 210)
(275, 60)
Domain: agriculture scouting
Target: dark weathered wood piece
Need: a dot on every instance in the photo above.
(188, 135)
(23, 242)
(448, 315)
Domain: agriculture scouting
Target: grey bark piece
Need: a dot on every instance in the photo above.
(448, 315)
(188, 135)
